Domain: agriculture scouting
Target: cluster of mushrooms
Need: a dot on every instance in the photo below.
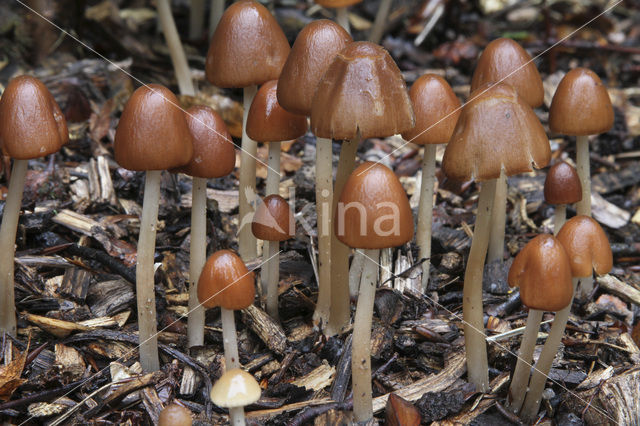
(350, 91)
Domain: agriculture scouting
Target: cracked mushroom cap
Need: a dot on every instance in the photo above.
(543, 273)
(175, 415)
(225, 282)
(496, 130)
(235, 388)
(587, 246)
(362, 92)
(562, 185)
(247, 48)
(505, 61)
(31, 122)
(581, 105)
(273, 220)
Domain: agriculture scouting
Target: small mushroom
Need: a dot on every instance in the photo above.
(234, 390)
(175, 415)
(561, 187)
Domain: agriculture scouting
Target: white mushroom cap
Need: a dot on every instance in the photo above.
(236, 388)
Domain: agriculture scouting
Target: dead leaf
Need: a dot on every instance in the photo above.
(10, 375)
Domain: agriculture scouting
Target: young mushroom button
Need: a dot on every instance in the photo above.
(235, 390)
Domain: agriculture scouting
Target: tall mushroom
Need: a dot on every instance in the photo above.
(31, 126)
(152, 136)
(497, 132)
(561, 187)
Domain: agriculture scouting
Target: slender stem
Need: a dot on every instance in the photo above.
(145, 291)
(342, 18)
(196, 19)
(361, 350)
(229, 339)
(217, 9)
(583, 167)
(559, 217)
(355, 272)
(273, 279)
(425, 210)
(197, 259)
(8, 230)
(381, 19)
(498, 220)
(520, 379)
(236, 416)
(475, 345)
(273, 171)
(246, 240)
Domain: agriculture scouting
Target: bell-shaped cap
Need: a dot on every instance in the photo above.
(247, 48)
(505, 61)
(581, 105)
(31, 123)
(496, 130)
(587, 246)
(543, 273)
(236, 388)
(362, 92)
(152, 133)
(269, 122)
(175, 415)
(337, 3)
(373, 211)
(214, 155)
(436, 108)
(562, 185)
(273, 220)
(225, 282)
(314, 49)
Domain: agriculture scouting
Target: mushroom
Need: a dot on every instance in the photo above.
(496, 132)
(31, 126)
(342, 16)
(152, 136)
(561, 187)
(373, 213)
(178, 58)
(175, 415)
(248, 48)
(543, 273)
(437, 109)
(234, 390)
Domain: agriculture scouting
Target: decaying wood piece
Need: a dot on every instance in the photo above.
(58, 328)
(619, 288)
(318, 378)
(467, 417)
(340, 384)
(227, 200)
(269, 331)
(108, 297)
(75, 284)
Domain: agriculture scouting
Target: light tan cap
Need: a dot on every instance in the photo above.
(175, 415)
(587, 246)
(236, 388)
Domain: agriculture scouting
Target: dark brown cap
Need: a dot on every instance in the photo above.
(362, 92)
(175, 415)
(496, 130)
(247, 48)
(562, 185)
(273, 220)
(314, 49)
(505, 61)
(225, 282)
(543, 273)
(373, 211)
(436, 108)
(337, 3)
(269, 122)
(581, 105)
(587, 246)
(152, 133)
(31, 123)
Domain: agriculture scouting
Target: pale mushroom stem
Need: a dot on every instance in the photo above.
(342, 18)
(180, 65)
(145, 291)
(198, 257)
(196, 18)
(247, 190)
(583, 206)
(425, 210)
(355, 272)
(229, 339)
(475, 341)
(361, 349)
(498, 221)
(273, 273)
(543, 366)
(520, 379)
(559, 217)
(217, 9)
(271, 266)
(236, 416)
(8, 231)
(381, 19)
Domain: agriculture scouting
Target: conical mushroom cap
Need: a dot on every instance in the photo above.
(496, 130)
(373, 211)
(587, 246)
(436, 108)
(31, 123)
(269, 122)
(273, 220)
(363, 92)
(314, 49)
(152, 133)
(505, 61)
(225, 282)
(236, 388)
(337, 3)
(175, 415)
(581, 105)
(247, 48)
(562, 185)
(543, 273)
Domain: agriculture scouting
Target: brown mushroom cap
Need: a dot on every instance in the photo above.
(273, 220)
(235, 388)
(562, 185)
(587, 246)
(581, 105)
(373, 211)
(247, 48)
(496, 130)
(225, 282)
(363, 92)
(543, 273)
(337, 3)
(31, 123)
(175, 415)
(152, 133)
(269, 122)
(436, 108)
(311, 54)
(214, 154)
(499, 62)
